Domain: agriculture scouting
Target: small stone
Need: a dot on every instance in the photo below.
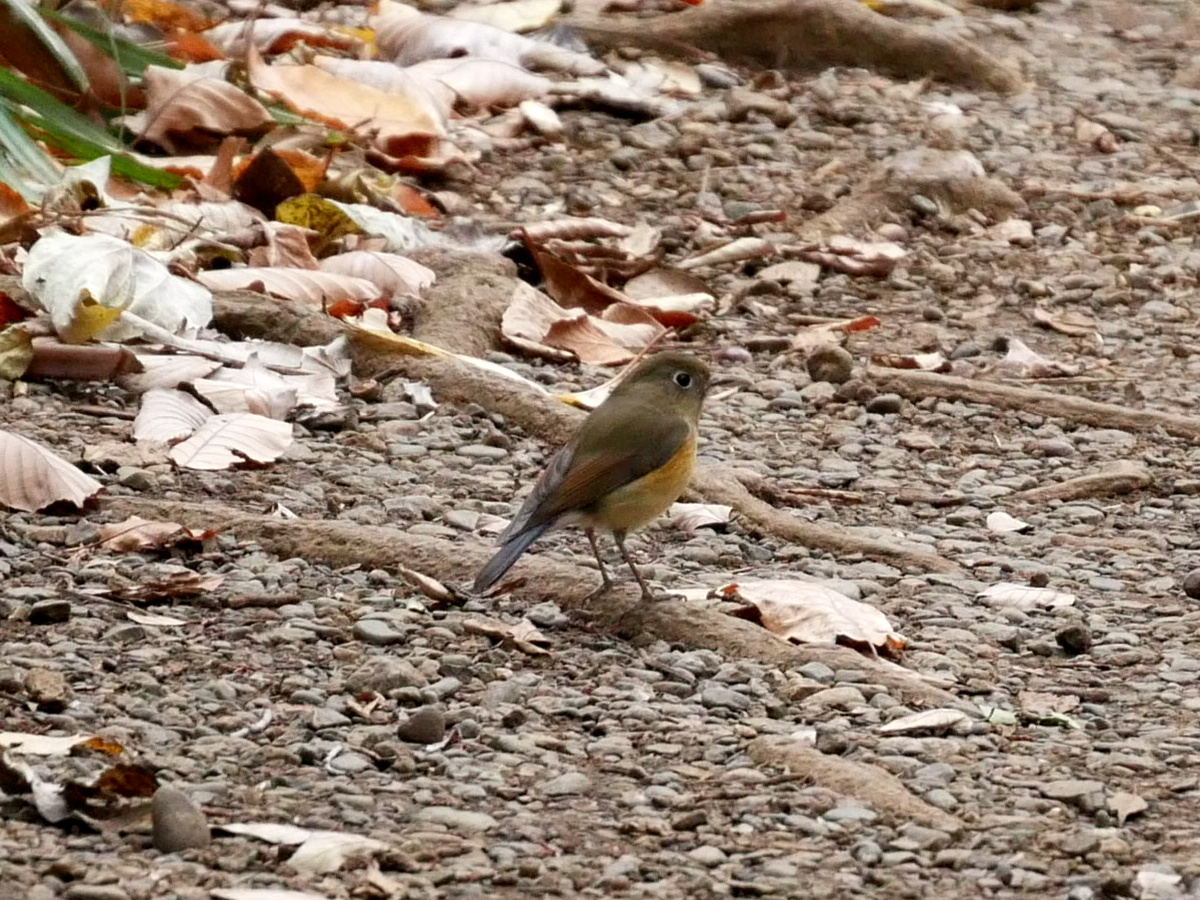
(717, 697)
(817, 671)
(1191, 584)
(128, 633)
(136, 479)
(1080, 844)
(567, 784)
(426, 725)
(840, 697)
(177, 822)
(49, 612)
(708, 855)
(1075, 638)
(377, 632)
(95, 892)
(457, 819)
(885, 404)
(324, 717)
(831, 363)
(48, 689)
(690, 821)
(383, 674)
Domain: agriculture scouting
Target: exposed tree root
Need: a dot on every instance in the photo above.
(886, 794)
(1122, 477)
(621, 610)
(918, 385)
(553, 422)
(807, 35)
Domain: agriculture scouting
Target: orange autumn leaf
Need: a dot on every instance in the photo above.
(165, 15)
(186, 47)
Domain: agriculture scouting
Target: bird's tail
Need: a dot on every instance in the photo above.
(508, 553)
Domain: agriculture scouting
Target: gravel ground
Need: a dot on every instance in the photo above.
(605, 769)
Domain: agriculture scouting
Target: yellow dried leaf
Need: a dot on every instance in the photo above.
(90, 319)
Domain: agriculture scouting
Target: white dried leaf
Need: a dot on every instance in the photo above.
(227, 440)
(690, 516)
(809, 613)
(167, 416)
(1002, 523)
(40, 744)
(32, 478)
(1022, 596)
(937, 720)
(63, 271)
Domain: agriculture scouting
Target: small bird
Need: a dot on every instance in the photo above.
(630, 459)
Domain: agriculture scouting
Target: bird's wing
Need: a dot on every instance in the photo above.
(573, 481)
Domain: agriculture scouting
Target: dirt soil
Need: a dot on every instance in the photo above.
(297, 692)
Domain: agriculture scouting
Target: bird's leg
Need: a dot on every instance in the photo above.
(619, 536)
(605, 581)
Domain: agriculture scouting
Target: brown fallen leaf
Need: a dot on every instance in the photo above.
(195, 107)
(523, 635)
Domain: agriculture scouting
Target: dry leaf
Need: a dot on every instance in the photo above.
(1067, 321)
(825, 334)
(808, 613)
(1022, 596)
(738, 250)
(479, 84)
(70, 275)
(1002, 523)
(856, 257)
(925, 362)
(167, 416)
(41, 744)
(312, 286)
(406, 36)
(319, 852)
(401, 125)
(32, 478)
(195, 105)
(691, 516)
(228, 440)
(523, 635)
(1022, 362)
(937, 721)
(389, 272)
(136, 533)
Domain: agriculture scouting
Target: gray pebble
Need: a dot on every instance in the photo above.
(1191, 584)
(457, 819)
(884, 404)
(426, 725)
(717, 697)
(1075, 638)
(49, 612)
(567, 784)
(177, 822)
(377, 632)
(708, 856)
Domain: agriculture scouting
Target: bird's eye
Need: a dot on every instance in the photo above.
(683, 379)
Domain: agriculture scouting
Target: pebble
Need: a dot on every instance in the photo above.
(567, 784)
(885, 404)
(708, 855)
(426, 725)
(384, 673)
(49, 612)
(47, 689)
(1075, 638)
(830, 363)
(717, 697)
(177, 823)
(462, 820)
(377, 632)
(1191, 584)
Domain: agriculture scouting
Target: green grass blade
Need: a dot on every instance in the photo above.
(132, 59)
(22, 154)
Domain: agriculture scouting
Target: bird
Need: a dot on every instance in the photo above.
(630, 459)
